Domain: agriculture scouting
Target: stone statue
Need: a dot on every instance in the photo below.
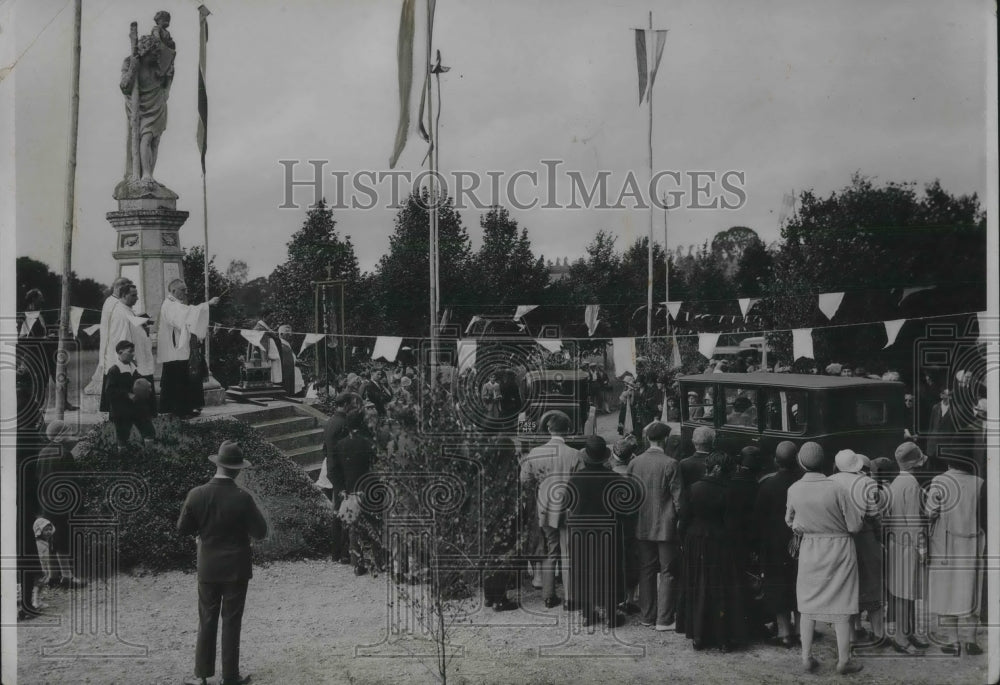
(145, 82)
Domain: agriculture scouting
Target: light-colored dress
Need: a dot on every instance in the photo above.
(863, 493)
(827, 584)
(956, 543)
(905, 535)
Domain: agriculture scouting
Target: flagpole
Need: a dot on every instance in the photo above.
(666, 268)
(432, 210)
(203, 49)
(62, 382)
(649, 265)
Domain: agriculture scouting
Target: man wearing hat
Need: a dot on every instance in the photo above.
(656, 529)
(591, 521)
(224, 517)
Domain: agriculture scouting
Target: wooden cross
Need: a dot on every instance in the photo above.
(329, 272)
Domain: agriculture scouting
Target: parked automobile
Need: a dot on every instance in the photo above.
(864, 415)
(548, 393)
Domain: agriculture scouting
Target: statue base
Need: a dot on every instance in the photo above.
(214, 393)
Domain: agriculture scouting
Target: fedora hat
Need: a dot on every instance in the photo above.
(596, 450)
(230, 456)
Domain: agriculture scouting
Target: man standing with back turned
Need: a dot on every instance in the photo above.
(224, 517)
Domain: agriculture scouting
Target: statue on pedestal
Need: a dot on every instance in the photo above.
(145, 82)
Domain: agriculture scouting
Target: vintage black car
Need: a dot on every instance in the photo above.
(764, 409)
(548, 393)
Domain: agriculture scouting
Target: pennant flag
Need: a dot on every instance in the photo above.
(829, 303)
(75, 314)
(445, 317)
(466, 355)
(623, 354)
(707, 343)
(647, 76)
(29, 322)
(386, 347)
(90, 330)
(412, 57)
(909, 291)
(311, 339)
(892, 330)
(674, 308)
(472, 323)
(802, 343)
(590, 318)
(253, 337)
(746, 304)
(523, 309)
(550, 344)
(675, 358)
(202, 92)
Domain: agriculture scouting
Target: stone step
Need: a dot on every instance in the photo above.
(283, 426)
(305, 438)
(307, 456)
(280, 411)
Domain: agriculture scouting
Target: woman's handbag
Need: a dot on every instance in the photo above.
(793, 545)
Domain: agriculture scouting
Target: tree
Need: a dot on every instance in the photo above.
(237, 272)
(728, 246)
(506, 271)
(315, 252)
(402, 278)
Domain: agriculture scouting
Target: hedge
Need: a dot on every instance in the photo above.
(300, 518)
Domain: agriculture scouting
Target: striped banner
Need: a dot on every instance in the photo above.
(202, 93)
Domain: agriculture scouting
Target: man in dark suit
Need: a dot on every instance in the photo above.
(656, 529)
(352, 458)
(224, 517)
(693, 467)
(942, 424)
(336, 430)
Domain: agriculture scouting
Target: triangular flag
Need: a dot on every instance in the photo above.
(892, 330)
(675, 358)
(802, 343)
(707, 343)
(29, 322)
(909, 291)
(523, 309)
(829, 303)
(472, 323)
(445, 317)
(623, 354)
(674, 308)
(386, 347)
(590, 318)
(550, 344)
(466, 351)
(90, 330)
(202, 135)
(746, 304)
(75, 314)
(253, 337)
(661, 40)
(640, 60)
(646, 76)
(311, 339)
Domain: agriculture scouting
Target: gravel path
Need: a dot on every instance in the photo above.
(315, 622)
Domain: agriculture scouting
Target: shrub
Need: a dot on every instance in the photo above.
(298, 515)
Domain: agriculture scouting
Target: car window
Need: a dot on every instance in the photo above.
(785, 410)
(741, 409)
(698, 405)
(870, 413)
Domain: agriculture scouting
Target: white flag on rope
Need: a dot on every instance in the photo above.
(892, 329)
(590, 318)
(623, 353)
(746, 304)
(75, 314)
(707, 343)
(550, 344)
(523, 309)
(386, 347)
(466, 350)
(829, 303)
(802, 343)
(253, 337)
(310, 339)
(90, 330)
(674, 308)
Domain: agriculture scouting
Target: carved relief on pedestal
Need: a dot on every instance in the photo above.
(168, 239)
(129, 240)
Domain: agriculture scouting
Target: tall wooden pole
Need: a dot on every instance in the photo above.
(67, 269)
(666, 268)
(432, 210)
(649, 265)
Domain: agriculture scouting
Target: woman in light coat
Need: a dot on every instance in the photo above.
(956, 504)
(820, 511)
(906, 544)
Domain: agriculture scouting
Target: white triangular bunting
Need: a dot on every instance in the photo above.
(310, 339)
(707, 343)
(75, 314)
(802, 343)
(892, 330)
(590, 318)
(829, 303)
(523, 309)
(674, 308)
(746, 304)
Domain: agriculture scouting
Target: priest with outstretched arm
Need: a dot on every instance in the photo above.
(181, 326)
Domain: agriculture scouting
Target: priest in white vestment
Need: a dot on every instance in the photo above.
(181, 386)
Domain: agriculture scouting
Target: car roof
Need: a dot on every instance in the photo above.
(790, 380)
(556, 374)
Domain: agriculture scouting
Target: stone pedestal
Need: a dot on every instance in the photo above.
(148, 251)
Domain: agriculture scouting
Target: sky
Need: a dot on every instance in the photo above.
(792, 95)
